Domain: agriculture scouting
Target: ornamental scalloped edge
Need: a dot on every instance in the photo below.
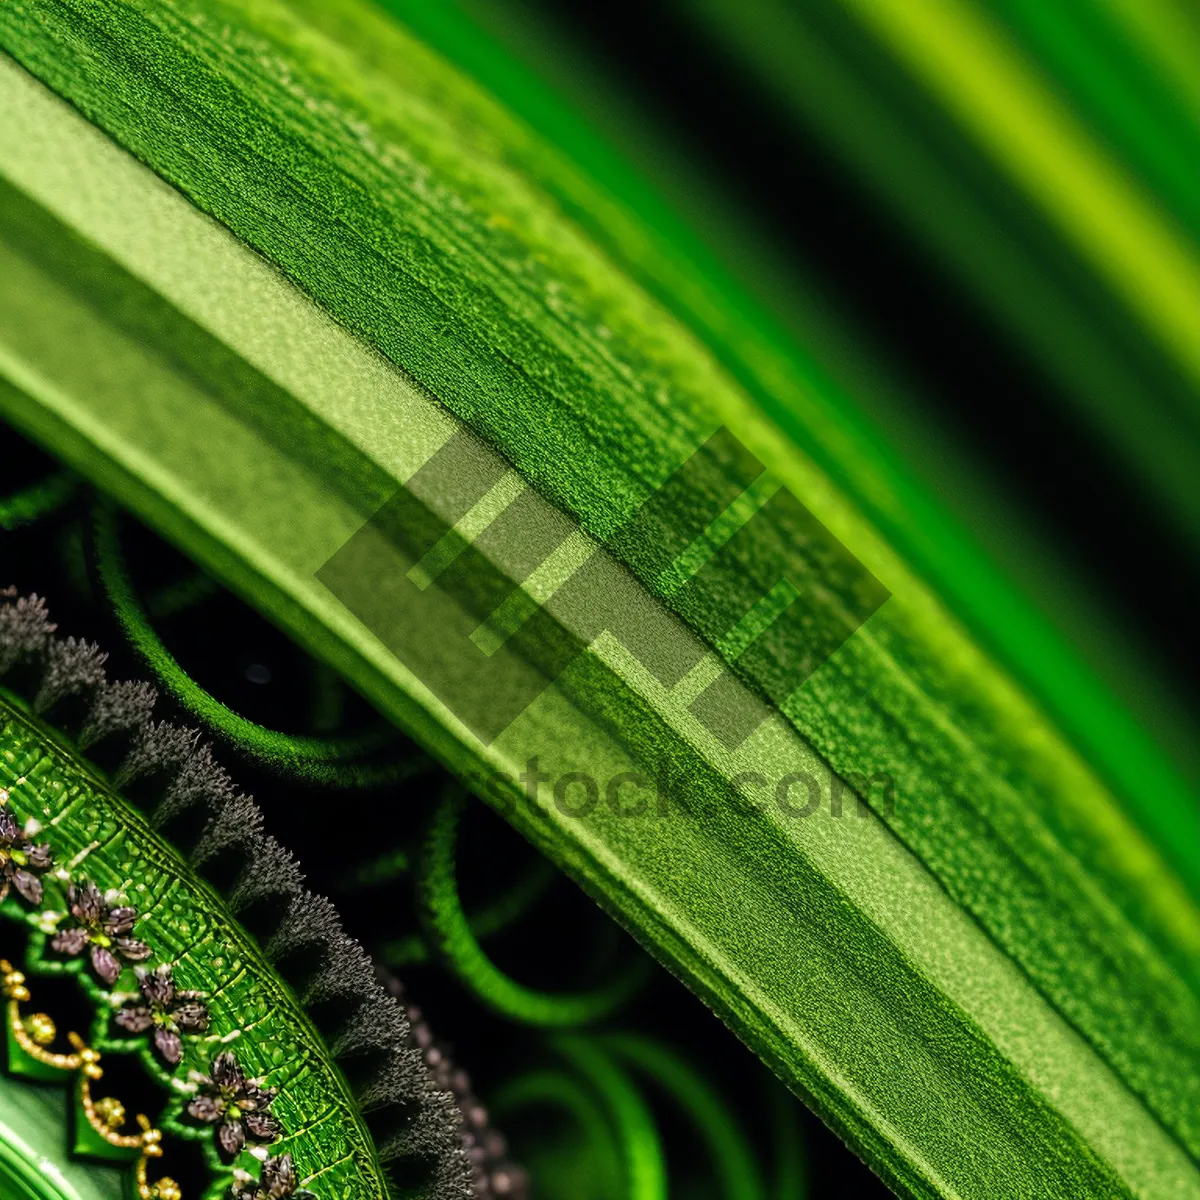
(172, 975)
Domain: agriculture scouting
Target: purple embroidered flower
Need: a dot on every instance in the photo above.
(278, 1182)
(167, 1010)
(19, 860)
(104, 927)
(238, 1107)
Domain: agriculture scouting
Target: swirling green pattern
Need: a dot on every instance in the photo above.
(320, 760)
(451, 935)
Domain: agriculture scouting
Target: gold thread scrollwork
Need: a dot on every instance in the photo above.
(106, 1116)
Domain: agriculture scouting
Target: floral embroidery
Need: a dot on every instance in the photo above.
(102, 926)
(20, 860)
(278, 1182)
(236, 1105)
(166, 1009)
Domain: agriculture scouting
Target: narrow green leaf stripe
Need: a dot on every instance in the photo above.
(990, 988)
(1122, 93)
(963, 57)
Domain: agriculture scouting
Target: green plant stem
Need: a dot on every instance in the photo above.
(37, 500)
(790, 1178)
(736, 1169)
(602, 1146)
(450, 934)
(314, 759)
(645, 1168)
(492, 918)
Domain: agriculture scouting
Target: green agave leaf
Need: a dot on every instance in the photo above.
(818, 390)
(989, 986)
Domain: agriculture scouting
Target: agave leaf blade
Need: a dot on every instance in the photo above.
(958, 1026)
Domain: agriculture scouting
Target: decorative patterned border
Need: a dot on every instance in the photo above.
(238, 1108)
